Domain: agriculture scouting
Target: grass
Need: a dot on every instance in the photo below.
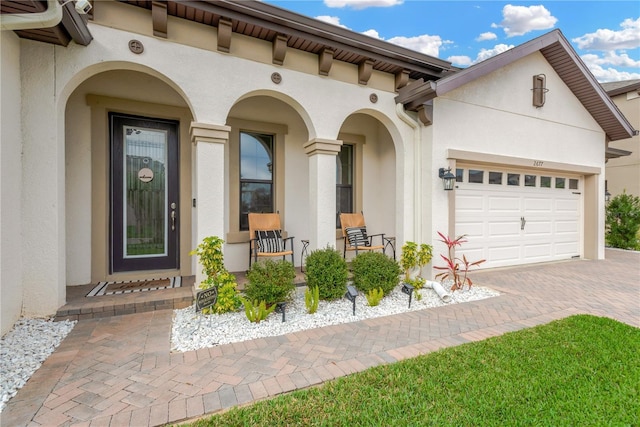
(582, 370)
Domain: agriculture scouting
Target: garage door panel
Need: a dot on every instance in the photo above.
(567, 227)
(538, 252)
(504, 204)
(567, 206)
(470, 229)
(503, 255)
(504, 229)
(470, 203)
(537, 205)
(566, 249)
(538, 228)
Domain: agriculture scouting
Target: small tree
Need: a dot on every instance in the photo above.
(413, 258)
(623, 221)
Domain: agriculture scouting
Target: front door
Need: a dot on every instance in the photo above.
(144, 193)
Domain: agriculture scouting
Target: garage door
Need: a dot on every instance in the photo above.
(518, 217)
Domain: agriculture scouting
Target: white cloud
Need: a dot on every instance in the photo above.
(488, 53)
(372, 33)
(519, 20)
(597, 65)
(331, 20)
(362, 4)
(486, 36)
(605, 39)
(460, 60)
(429, 45)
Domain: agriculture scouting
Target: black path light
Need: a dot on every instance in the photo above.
(408, 289)
(351, 295)
(280, 308)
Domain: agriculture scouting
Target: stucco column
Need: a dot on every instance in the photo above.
(322, 191)
(208, 182)
(43, 179)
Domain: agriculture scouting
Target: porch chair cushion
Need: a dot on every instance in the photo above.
(357, 236)
(270, 241)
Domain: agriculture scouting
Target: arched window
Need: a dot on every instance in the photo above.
(256, 175)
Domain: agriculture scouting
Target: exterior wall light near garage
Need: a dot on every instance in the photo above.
(607, 196)
(539, 90)
(448, 179)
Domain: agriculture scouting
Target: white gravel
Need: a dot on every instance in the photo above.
(23, 350)
(192, 331)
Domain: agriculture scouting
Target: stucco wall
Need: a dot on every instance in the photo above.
(10, 183)
(624, 173)
(494, 115)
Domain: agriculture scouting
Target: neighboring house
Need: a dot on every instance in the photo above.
(224, 107)
(623, 156)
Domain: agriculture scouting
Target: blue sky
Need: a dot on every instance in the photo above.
(606, 34)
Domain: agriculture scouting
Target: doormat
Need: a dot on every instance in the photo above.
(131, 286)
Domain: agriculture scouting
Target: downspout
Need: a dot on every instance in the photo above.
(25, 21)
(417, 170)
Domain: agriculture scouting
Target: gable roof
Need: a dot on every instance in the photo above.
(560, 55)
(618, 88)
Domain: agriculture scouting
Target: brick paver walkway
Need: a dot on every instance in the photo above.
(119, 370)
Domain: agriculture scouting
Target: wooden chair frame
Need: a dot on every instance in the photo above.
(348, 220)
(266, 222)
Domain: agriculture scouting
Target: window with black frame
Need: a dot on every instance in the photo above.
(344, 182)
(256, 175)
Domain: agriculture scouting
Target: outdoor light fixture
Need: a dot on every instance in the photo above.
(351, 295)
(607, 195)
(448, 179)
(408, 289)
(280, 308)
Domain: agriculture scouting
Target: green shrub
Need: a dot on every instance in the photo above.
(270, 281)
(257, 312)
(228, 299)
(311, 299)
(326, 269)
(623, 222)
(373, 270)
(374, 296)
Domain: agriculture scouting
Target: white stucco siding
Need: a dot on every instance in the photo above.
(43, 201)
(10, 183)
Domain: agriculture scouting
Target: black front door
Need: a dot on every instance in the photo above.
(144, 193)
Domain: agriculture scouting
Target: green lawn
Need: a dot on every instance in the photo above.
(579, 371)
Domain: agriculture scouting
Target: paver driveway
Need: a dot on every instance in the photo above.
(119, 371)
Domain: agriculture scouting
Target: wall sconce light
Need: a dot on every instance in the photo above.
(607, 195)
(351, 295)
(448, 179)
(539, 90)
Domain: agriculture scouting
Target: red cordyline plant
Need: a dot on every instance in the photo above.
(456, 269)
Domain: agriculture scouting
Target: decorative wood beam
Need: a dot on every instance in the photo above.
(279, 49)
(325, 60)
(402, 78)
(224, 35)
(159, 17)
(364, 71)
(425, 114)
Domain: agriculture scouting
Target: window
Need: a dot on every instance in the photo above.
(256, 175)
(344, 181)
(459, 175)
(560, 182)
(529, 180)
(513, 179)
(476, 176)
(495, 178)
(545, 181)
(573, 184)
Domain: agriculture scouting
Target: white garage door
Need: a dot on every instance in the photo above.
(518, 217)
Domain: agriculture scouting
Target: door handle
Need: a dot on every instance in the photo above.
(522, 222)
(173, 216)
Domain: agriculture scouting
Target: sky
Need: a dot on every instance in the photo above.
(606, 34)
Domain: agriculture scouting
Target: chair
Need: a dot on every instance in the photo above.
(266, 237)
(354, 233)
